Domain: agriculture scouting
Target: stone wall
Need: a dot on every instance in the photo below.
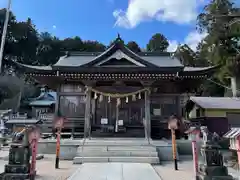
(185, 147)
(68, 149)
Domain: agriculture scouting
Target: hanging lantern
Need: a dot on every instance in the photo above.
(109, 99)
(118, 101)
(134, 97)
(139, 96)
(126, 99)
(95, 96)
(101, 98)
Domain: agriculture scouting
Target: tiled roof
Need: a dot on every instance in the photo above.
(79, 59)
(216, 102)
(23, 121)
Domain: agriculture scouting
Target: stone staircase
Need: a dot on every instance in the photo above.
(117, 150)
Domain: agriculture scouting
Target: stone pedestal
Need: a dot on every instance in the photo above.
(212, 167)
(18, 166)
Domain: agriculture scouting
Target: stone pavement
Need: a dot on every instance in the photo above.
(115, 171)
(47, 171)
(166, 170)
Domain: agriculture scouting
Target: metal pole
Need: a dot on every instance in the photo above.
(4, 33)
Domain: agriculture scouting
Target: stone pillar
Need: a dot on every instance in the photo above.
(87, 114)
(147, 118)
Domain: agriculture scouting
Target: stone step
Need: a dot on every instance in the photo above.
(117, 154)
(151, 160)
(120, 142)
(117, 148)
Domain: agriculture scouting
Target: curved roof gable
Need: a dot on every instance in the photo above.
(119, 52)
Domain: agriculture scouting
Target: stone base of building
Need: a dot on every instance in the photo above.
(12, 176)
(213, 172)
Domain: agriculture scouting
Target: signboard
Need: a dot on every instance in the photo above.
(120, 122)
(157, 112)
(104, 120)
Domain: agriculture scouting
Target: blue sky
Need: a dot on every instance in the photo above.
(101, 20)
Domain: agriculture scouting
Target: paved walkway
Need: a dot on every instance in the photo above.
(116, 171)
(166, 171)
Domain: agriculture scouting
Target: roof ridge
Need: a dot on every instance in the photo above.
(146, 53)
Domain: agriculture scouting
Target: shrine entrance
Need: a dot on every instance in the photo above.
(118, 114)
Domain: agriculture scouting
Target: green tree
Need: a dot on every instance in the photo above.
(158, 43)
(72, 44)
(25, 42)
(133, 46)
(221, 43)
(49, 49)
(93, 46)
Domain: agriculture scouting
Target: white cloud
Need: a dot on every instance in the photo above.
(172, 45)
(54, 27)
(192, 40)
(178, 11)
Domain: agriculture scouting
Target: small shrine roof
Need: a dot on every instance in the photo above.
(233, 133)
(216, 102)
(191, 129)
(23, 121)
(42, 103)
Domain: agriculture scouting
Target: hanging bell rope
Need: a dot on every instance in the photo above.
(118, 95)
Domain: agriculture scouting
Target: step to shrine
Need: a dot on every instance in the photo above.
(120, 150)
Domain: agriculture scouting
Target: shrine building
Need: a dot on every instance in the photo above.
(119, 93)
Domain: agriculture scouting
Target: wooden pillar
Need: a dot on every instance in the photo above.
(57, 108)
(87, 114)
(147, 115)
(117, 117)
(57, 100)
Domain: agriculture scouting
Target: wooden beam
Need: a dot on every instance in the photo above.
(89, 83)
(147, 83)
